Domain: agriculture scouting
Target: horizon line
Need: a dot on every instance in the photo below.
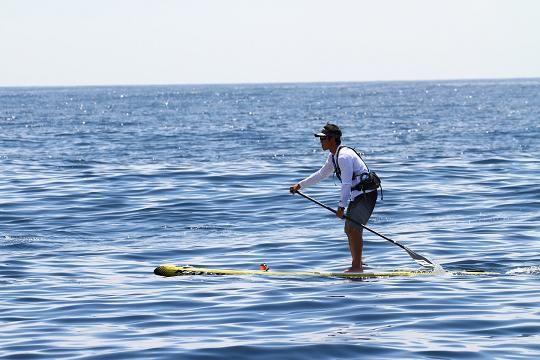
(266, 83)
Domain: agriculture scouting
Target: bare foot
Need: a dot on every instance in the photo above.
(354, 270)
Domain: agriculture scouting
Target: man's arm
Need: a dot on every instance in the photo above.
(325, 171)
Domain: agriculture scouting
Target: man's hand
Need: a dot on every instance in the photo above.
(294, 188)
(339, 212)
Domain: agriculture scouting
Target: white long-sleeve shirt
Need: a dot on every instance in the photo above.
(349, 164)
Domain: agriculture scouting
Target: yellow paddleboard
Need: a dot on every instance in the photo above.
(174, 270)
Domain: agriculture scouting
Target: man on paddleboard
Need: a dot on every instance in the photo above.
(350, 168)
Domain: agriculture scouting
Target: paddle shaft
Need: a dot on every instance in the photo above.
(415, 256)
(347, 218)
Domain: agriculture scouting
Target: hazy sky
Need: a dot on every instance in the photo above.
(91, 42)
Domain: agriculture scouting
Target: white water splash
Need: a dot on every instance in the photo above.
(438, 269)
(530, 270)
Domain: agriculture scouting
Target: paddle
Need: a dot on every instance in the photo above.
(416, 257)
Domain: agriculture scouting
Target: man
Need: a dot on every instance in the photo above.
(349, 167)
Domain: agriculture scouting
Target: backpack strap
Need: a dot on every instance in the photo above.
(369, 180)
(335, 161)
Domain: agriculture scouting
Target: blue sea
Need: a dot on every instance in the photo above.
(99, 185)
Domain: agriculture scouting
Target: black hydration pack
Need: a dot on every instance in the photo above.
(368, 180)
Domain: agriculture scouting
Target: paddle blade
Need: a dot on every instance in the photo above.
(419, 258)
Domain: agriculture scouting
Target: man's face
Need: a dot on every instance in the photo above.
(326, 142)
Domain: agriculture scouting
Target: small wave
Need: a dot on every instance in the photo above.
(489, 161)
(209, 227)
(18, 241)
(530, 270)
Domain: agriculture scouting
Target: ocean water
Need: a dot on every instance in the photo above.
(99, 185)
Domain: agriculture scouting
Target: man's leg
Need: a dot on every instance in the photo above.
(355, 246)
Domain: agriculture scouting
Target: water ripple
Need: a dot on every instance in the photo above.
(99, 185)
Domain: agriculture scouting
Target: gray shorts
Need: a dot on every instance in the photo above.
(360, 209)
